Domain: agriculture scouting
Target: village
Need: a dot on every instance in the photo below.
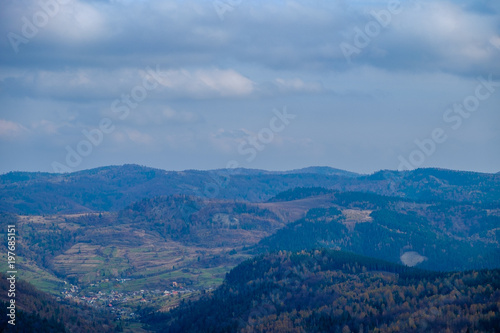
(124, 304)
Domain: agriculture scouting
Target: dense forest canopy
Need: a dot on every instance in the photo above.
(332, 291)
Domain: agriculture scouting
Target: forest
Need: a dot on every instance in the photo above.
(331, 291)
(313, 250)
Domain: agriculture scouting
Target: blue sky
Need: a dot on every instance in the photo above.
(356, 85)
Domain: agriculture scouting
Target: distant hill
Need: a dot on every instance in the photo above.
(434, 184)
(318, 170)
(115, 187)
(323, 171)
(190, 219)
(299, 193)
(332, 291)
(433, 235)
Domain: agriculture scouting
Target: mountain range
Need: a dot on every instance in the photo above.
(113, 188)
(129, 238)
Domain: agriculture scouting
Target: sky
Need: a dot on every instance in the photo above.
(276, 85)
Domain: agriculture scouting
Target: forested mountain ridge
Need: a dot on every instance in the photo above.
(115, 187)
(437, 235)
(127, 235)
(332, 291)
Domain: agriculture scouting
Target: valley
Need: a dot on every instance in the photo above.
(164, 249)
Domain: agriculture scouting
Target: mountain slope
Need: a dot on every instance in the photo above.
(331, 291)
(437, 236)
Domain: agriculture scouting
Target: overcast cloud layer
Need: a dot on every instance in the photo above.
(357, 85)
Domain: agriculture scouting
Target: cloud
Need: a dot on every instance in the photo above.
(162, 116)
(78, 22)
(205, 83)
(297, 85)
(180, 117)
(433, 36)
(139, 137)
(231, 134)
(46, 127)
(71, 84)
(10, 130)
(230, 73)
(495, 41)
(226, 141)
(84, 84)
(190, 35)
